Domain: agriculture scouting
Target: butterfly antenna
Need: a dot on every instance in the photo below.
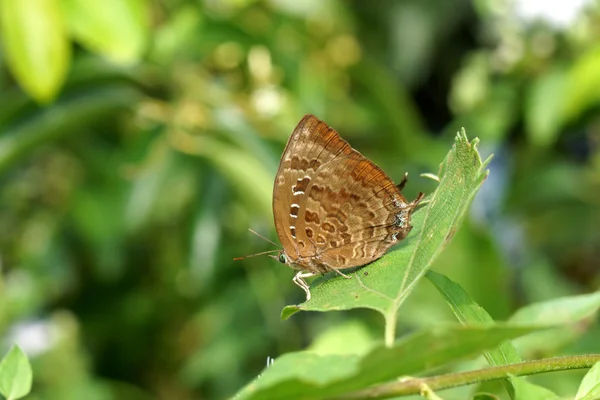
(257, 254)
(261, 253)
(264, 238)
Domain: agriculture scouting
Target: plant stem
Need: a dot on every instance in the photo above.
(390, 328)
(411, 386)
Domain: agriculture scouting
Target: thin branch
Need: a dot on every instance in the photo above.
(410, 386)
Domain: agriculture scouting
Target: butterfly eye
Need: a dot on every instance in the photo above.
(282, 258)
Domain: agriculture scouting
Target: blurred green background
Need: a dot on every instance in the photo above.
(139, 141)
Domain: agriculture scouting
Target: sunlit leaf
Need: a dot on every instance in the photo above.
(590, 385)
(564, 313)
(351, 337)
(118, 29)
(528, 391)
(563, 310)
(582, 83)
(15, 374)
(36, 46)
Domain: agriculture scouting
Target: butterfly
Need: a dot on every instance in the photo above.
(333, 208)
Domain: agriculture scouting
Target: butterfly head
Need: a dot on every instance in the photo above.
(283, 258)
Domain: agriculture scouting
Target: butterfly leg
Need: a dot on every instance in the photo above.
(340, 273)
(299, 280)
(402, 183)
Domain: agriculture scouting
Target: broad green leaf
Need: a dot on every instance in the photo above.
(15, 374)
(308, 375)
(528, 391)
(384, 284)
(119, 29)
(590, 385)
(563, 312)
(37, 50)
(468, 313)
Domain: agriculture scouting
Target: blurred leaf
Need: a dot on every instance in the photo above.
(544, 103)
(385, 284)
(307, 375)
(15, 374)
(63, 118)
(349, 337)
(207, 232)
(118, 29)
(528, 391)
(565, 310)
(36, 46)
(104, 235)
(583, 81)
(173, 38)
(244, 172)
(148, 184)
(468, 313)
(590, 386)
(474, 259)
(493, 118)
(471, 84)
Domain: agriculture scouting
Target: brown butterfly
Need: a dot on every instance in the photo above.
(333, 208)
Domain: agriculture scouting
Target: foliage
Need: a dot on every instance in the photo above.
(15, 374)
(139, 141)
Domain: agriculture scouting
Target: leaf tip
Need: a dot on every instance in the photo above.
(288, 311)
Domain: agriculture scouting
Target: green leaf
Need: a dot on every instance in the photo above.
(119, 29)
(485, 396)
(37, 50)
(590, 385)
(468, 313)
(384, 284)
(528, 391)
(308, 375)
(15, 374)
(348, 337)
(581, 88)
(563, 312)
(544, 104)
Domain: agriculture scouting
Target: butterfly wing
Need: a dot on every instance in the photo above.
(312, 146)
(356, 220)
(334, 208)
